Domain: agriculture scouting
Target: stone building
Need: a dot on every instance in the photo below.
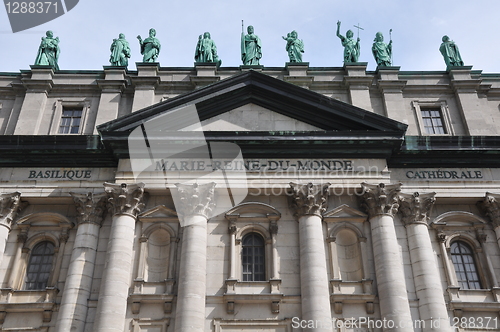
(355, 200)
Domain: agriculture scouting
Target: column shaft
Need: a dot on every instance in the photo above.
(77, 288)
(190, 312)
(313, 274)
(112, 304)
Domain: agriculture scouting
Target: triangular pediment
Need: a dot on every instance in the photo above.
(160, 212)
(267, 116)
(345, 212)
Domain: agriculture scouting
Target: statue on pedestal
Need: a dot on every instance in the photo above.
(48, 52)
(382, 51)
(294, 46)
(251, 47)
(120, 52)
(150, 47)
(450, 52)
(351, 47)
(206, 50)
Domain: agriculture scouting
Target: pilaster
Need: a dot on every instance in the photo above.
(144, 84)
(309, 202)
(391, 87)
(465, 87)
(112, 87)
(358, 84)
(37, 88)
(10, 206)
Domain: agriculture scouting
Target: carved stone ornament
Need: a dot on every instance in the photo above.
(91, 208)
(380, 199)
(196, 199)
(10, 206)
(491, 207)
(309, 199)
(416, 208)
(125, 198)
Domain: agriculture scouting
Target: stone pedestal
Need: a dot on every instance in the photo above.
(125, 204)
(432, 306)
(197, 203)
(73, 310)
(382, 202)
(309, 203)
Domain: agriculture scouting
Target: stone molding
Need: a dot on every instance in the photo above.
(10, 206)
(309, 199)
(90, 207)
(491, 207)
(196, 199)
(416, 208)
(125, 198)
(380, 199)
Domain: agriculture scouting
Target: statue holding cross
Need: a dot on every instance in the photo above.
(351, 47)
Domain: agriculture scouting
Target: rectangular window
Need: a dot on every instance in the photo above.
(433, 121)
(70, 121)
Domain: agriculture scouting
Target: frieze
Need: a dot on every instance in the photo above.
(444, 174)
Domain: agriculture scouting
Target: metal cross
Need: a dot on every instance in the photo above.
(358, 27)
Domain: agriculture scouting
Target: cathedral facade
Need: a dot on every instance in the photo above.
(249, 199)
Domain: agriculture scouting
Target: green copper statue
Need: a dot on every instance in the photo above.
(382, 51)
(251, 47)
(150, 47)
(351, 47)
(294, 46)
(206, 51)
(120, 52)
(450, 52)
(48, 52)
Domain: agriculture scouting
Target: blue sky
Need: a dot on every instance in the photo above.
(86, 32)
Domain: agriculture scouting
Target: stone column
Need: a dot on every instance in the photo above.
(125, 203)
(382, 202)
(10, 205)
(432, 307)
(309, 203)
(196, 205)
(73, 310)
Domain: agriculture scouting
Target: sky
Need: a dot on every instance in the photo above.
(87, 31)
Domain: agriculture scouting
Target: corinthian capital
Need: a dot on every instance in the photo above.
(309, 199)
(90, 207)
(416, 208)
(380, 199)
(125, 198)
(196, 199)
(491, 207)
(10, 206)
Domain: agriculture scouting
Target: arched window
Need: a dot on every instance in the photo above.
(39, 266)
(253, 257)
(465, 266)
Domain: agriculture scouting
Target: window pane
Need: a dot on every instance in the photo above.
(464, 264)
(39, 266)
(70, 121)
(253, 257)
(433, 121)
